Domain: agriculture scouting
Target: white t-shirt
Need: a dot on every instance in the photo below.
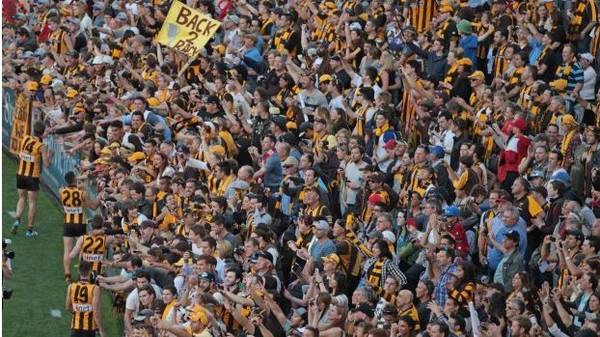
(133, 300)
(589, 83)
(354, 175)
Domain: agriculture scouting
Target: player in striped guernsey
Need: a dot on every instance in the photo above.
(73, 199)
(32, 154)
(83, 301)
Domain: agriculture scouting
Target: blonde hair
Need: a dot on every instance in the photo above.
(225, 249)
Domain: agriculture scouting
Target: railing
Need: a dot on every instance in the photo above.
(53, 176)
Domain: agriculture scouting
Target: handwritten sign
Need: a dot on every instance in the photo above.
(186, 30)
(21, 122)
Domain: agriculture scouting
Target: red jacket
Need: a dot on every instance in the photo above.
(9, 8)
(457, 232)
(511, 156)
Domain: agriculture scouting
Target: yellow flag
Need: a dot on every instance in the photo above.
(186, 29)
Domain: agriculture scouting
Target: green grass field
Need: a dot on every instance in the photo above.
(38, 281)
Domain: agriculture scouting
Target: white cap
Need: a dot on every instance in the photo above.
(389, 236)
(98, 59)
(587, 56)
(355, 26)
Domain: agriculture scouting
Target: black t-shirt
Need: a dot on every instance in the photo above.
(552, 60)
(80, 43)
(209, 116)
(455, 155)
(160, 277)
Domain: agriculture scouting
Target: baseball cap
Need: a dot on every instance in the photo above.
(333, 258)
(122, 16)
(74, 21)
(389, 236)
(207, 276)
(513, 235)
(303, 128)
(19, 16)
(262, 254)
(321, 225)
(437, 151)
(452, 211)
(389, 309)
(233, 18)
(390, 144)
(31, 85)
(290, 161)
(325, 78)
(536, 174)
(355, 26)
(280, 121)
(562, 176)
(587, 56)
(477, 75)
(301, 312)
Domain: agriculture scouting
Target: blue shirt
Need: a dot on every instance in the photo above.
(273, 172)
(469, 44)
(321, 249)
(440, 292)
(153, 119)
(498, 230)
(477, 3)
(252, 57)
(536, 50)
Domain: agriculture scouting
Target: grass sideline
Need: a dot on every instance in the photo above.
(37, 280)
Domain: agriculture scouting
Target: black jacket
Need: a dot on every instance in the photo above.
(435, 65)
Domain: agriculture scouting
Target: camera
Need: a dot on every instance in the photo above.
(239, 251)
(7, 253)
(6, 293)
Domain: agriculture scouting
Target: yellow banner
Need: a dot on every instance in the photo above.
(21, 121)
(186, 30)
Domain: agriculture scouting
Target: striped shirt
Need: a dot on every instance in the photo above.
(575, 77)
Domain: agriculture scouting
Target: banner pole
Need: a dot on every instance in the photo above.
(188, 64)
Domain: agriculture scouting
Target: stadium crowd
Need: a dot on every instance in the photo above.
(321, 168)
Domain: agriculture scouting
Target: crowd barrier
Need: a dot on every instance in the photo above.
(61, 162)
